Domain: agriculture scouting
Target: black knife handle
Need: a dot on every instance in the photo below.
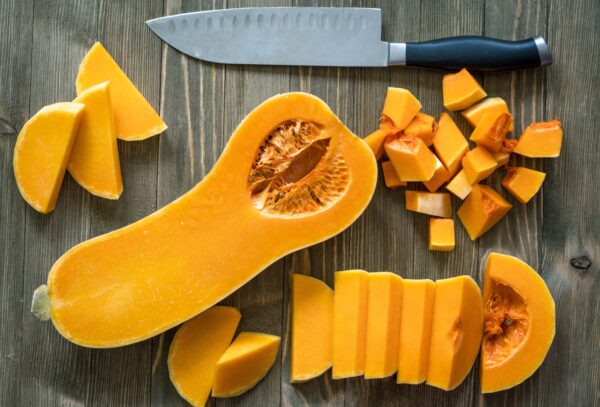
(477, 54)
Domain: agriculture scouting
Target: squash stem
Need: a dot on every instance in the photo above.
(40, 303)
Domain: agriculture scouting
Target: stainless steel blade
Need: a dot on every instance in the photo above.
(278, 36)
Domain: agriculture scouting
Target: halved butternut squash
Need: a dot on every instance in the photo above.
(523, 183)
(312, 328)
(42, 152)
(135, 119)
(540, 140)
(519, 323)
(196, 349)
(450, 144)
(461, 90)
(476, 112)
(187, 256)
(94, 161)
(400, 107)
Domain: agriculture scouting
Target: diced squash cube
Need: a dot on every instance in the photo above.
(461, 90)
(541, 139)
(474, 114)
(450, 144)
(482, 209)
(478, 164)
(440, 176)
(441, 234)
(460, 185)
(390, 177)
(400, 107)
(411, 158)
(422, 126)
(523, 183)
(375, 141)
(491, 130)
(430, 203)
(501, 157)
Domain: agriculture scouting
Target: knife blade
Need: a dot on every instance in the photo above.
(321, 36)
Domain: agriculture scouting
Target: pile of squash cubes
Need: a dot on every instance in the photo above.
(437, 154)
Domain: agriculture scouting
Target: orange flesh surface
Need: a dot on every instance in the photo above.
(523, 183)
(491, 130)
(450, 144)
(422, 126)
(482, 209)
(430, 203)
(460, 185)
(441, 234)
(400, 107)
(489, 105)
(390, 177)
(411, 158)
(541, 139)
(375, 141)
(461, 90)
(440, 176)
(478, 164)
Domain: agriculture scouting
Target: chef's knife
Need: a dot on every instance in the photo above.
(332, 37)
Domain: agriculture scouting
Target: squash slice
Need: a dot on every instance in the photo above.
(259, 203)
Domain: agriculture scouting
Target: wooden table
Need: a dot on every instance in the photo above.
(41, 44)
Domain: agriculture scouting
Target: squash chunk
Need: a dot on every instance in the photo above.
(135, 119)
(400, 107)
(42, 152)
(94, 159)
(461, 90)
(312, 328)
(460, 185)
(494, 105)
(441, 234)
(383, 324)
(501, 157)
(195, 350)
(456, 331)
(491, 130)
(482, 209)
(519, 323)
(440, 176)
(375, 140)
(415, 330)
(350, 302)
(430, 203)
(450, 144)
(411, 158)
(523, 183)
(390, 176)
(422, 126)
(245, 363)
(540, 140)
(478, 164)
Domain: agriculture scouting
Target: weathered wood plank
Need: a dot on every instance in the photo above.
(16, 22)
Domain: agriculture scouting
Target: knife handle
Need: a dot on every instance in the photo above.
(472, 52)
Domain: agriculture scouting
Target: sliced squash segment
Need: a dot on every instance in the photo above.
(482, 209)
(135, 119)
(390, 177)
(411, 158)
(540, 140)
(400, 107)
(429, 203)
(491, 130)
(461, 90)
(441, 234)
(94, 161)
(523, 183)
(440, 176)
(478, 164)
(460, 185)
(450, 144)
(375, 141)
(422, 126)
(501, 157)
(42, 152)
(489, 105)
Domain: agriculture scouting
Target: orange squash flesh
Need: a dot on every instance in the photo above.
(42, 152)
(482, 209)
(450, 144)
(491, 130)
(391, 179)
(312, 328)
(490, 105)
(411, 158)
(461, 90)
(135, 119)
(460, 185)
(519, 323)
(375, 141)
(195, 350)
(245, 363)
(501, 157)
(94, 161)
(400, 107)
(440, 176)
(415, 330)
(478, 164)
(456, 330)
(422, 126)
(156, 281)
(540, 140)
(383, 324)
(441, 234)
(523, 183)
(429, 203)
(350, 302)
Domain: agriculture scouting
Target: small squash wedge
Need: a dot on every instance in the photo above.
(259, 203)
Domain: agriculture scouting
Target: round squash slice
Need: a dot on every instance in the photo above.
(519, 323)
(292, 175)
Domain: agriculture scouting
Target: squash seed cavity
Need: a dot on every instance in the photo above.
(297, 170)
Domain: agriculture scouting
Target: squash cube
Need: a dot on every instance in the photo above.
(460, 185)
(482, 209)
(461, 90)
(501, 157)
(422, 126)
(440, 176)
(441, 234)
(474, 114)
(411, 158)
(375, 141)
(390, 176)
(491, 130)
(540, 140)
(450, 144)
(523, 183)
(430, 203)
(383, 324)
(478, 164)
(400, 107)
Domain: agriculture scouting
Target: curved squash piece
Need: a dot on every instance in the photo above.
(519, 323)
(245, 363)
(489, 105)
(196, 349)
(135, 119)
(42, 152)
(375, 140)
(461, 90)
(539, 140)
(259, 203)
(94, 159)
